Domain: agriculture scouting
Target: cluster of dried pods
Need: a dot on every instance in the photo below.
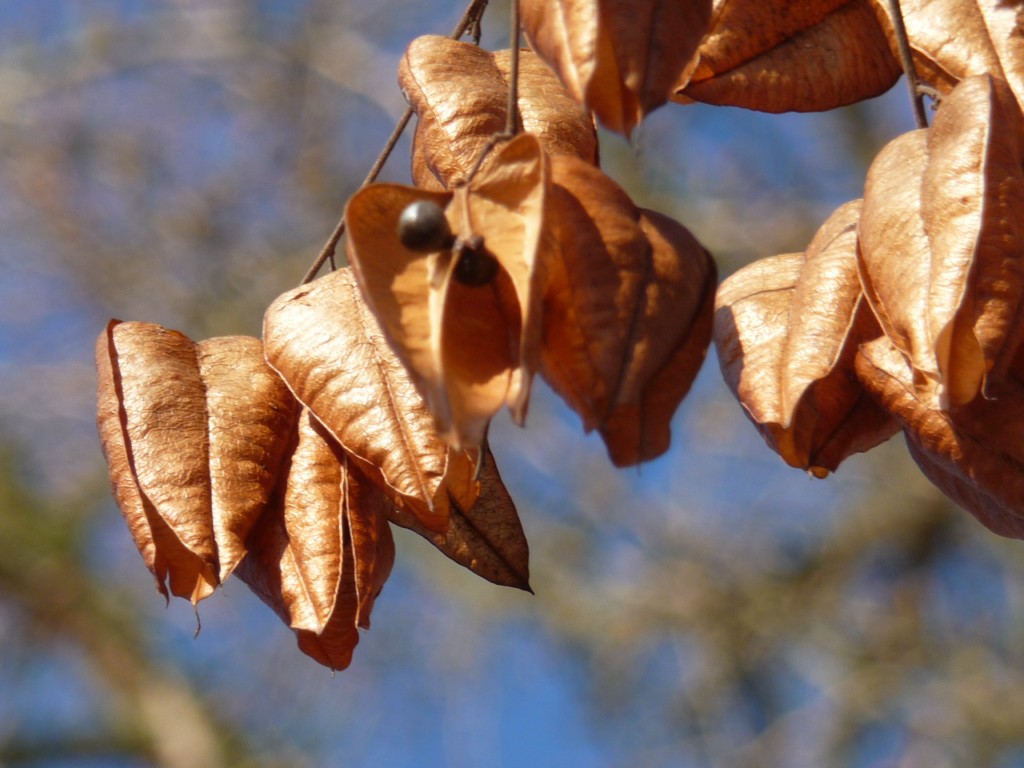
(610, 303)
(904, 312)
(220, 467)
(368, 400)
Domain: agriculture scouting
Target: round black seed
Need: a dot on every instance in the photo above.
(422, 226)
(475, 268)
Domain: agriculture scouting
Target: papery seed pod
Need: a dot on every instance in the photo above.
(760, 54)
(465, 322)
(152, 421)
(952, 40)
(250, 413)
(621, 60)
(460, 94)
(973, 454)
(320, 553)
(627, 311)
(194, 436)
(369, 404)
(487, 537)
(940, 252)
(972, 199)
(787, 329)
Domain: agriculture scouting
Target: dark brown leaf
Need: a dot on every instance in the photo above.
(487, 538)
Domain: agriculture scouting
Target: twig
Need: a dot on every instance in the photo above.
(513, 119)
(484, 152)
(470, 21)
(907, 61)
(513, 124)
(327, 252)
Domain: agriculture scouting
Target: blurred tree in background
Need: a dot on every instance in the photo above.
(182, 162)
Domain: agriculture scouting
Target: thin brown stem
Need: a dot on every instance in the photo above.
(513, 124)
(470, 21)
(513, 118)
(327, 252)
(907, 61)
(484, 152)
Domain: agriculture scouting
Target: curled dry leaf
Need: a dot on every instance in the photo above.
(787, 329)
(974, 454)
(367, 510)
(940, 242)
(780, 56)
(141, 368)
(328, 347)
(597, 274)
(486, 538)
(671, 331)
(194, 436)
(320, 554)
(893, 252)
(460, 95)
(470, 345)
(627, 311)
(311, 499)
(270, 572)
(333, 646)
(954, 39)
(972, 207)
(249, 410)
(506, 205)
(621, 59)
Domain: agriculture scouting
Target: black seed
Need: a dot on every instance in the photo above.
(423, 227)
(475, 267)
